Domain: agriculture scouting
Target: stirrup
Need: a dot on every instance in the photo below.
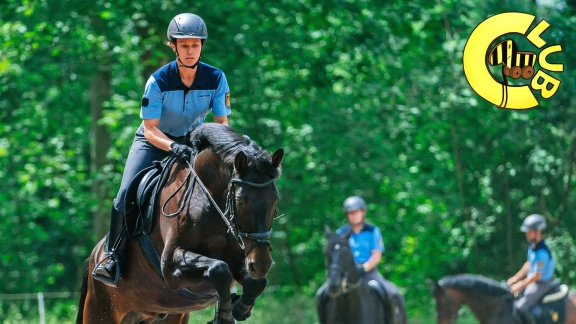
(109, 281)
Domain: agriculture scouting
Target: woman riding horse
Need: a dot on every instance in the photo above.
(211, 228)
(177, 98)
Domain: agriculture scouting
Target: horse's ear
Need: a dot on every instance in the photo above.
(240, 162)
(327, 231)
(434, 286)
(277, 157)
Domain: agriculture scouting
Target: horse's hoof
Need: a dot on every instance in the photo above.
(241, 316)
(240, 311)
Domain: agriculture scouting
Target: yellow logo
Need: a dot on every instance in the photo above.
(515, 64)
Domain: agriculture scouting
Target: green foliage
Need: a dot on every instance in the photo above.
(367, 98)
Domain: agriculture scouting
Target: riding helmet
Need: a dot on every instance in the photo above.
(187, 25)
(354, 203)
(533, 222)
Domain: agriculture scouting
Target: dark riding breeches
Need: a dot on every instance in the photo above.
(532, 293)
(142, 155)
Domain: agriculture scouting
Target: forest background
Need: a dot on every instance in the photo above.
(366, 97)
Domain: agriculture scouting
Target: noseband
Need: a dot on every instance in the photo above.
(229, 214)
(450, 317)
(259, 237)
(344, 287)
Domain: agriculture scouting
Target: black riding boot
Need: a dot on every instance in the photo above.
(526, 316)
(108, 269)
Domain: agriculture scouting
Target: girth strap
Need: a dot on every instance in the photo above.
(154, 258)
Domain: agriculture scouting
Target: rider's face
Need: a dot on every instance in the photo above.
(532, 236)
(356, 217)
(189, 49)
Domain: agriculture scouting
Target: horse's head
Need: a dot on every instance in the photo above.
(489, 300)
(446, 306)
(255, 196)
(242, 177)
(340, 263)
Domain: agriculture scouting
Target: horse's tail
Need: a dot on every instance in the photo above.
(83, 293)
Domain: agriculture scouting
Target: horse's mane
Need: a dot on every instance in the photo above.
(226, 143)
(479, 284)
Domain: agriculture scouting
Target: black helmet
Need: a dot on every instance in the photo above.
(187, 25)
(354, 203)
(533, 222)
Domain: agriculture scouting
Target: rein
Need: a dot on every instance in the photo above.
(345, 287)
(230, 221)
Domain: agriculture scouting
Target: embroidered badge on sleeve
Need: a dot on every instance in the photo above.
(228, 100)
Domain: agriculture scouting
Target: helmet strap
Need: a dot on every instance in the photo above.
(193, 66)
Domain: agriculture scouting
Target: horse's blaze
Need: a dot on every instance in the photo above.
(259, 261)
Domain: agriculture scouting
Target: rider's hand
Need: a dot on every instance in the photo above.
(181, 150)
(516, 288)
(360, 268)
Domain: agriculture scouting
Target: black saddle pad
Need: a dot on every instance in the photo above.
(141, 196)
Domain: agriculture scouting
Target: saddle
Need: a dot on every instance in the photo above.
(142, 194)
(380, 291)
(551, 307)
(391, 310)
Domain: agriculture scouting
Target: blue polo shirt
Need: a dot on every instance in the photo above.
(541, 260)
(363, 243)
(180, 108)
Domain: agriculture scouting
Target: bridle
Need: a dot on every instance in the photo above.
(229, 213)
(345, 287)
(450, 316)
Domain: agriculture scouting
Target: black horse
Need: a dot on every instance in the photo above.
(210, 229)
(347, 297)
(490, 301)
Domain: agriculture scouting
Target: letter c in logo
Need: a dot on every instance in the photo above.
(476, 68)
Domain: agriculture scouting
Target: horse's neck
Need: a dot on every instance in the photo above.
(488, 309)
(212, 171)
(354, 275)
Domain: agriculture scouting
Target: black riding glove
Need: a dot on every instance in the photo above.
(360, 268)
(181, 150)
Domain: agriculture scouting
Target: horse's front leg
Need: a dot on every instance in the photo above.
(251, 288)
(184, 269)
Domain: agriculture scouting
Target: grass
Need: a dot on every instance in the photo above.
(270, 308)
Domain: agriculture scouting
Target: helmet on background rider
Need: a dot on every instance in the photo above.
(187, 25)
(533, 222)
(354, 203)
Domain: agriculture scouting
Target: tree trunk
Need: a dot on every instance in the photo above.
(100, 142)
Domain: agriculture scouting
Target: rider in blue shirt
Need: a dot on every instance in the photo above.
(535, 276)
(367, 246)
(177, 98)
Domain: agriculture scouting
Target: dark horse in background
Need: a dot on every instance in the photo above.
(210, 229)
(347, 298)
(492, 303)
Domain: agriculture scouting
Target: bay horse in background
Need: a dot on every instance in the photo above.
(492, 303)
(210, 229)
(347, 297)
